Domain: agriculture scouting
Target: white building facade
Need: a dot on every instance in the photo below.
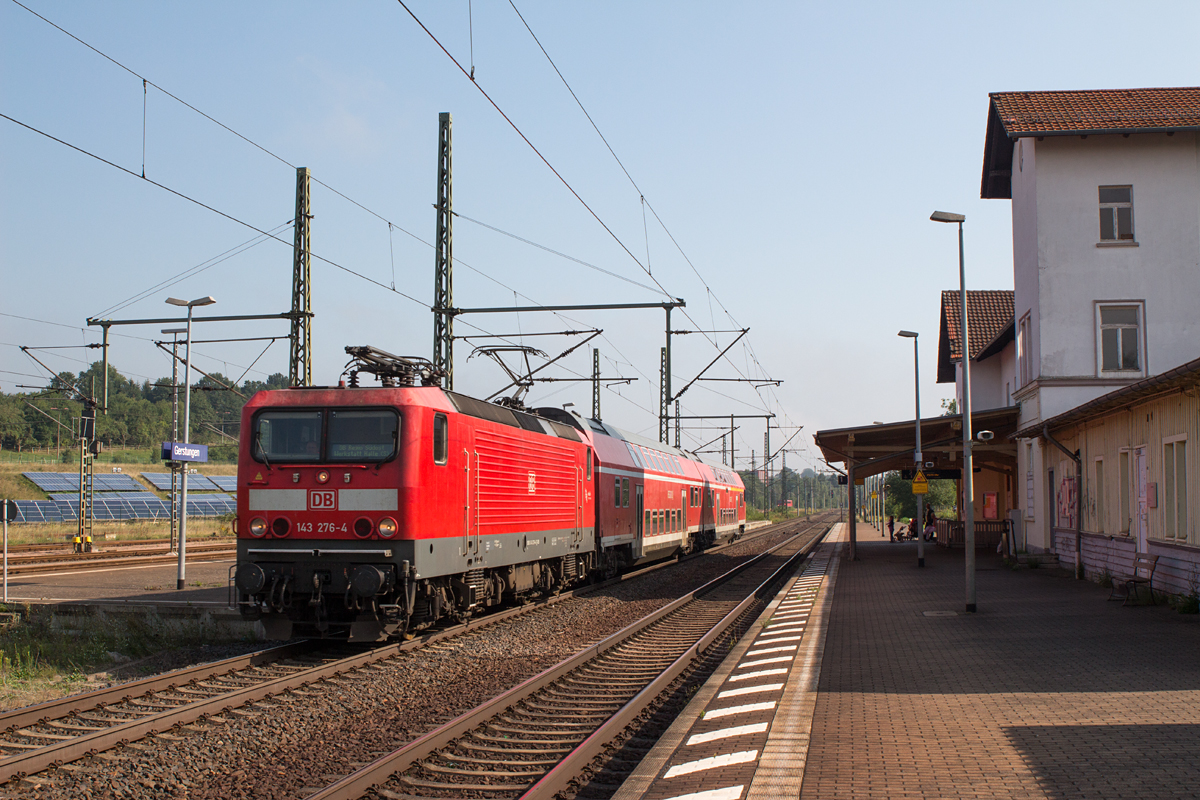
(1105, 191)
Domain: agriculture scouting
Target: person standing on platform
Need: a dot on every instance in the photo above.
(891, 526)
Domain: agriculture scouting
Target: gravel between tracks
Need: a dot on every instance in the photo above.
(287, 746)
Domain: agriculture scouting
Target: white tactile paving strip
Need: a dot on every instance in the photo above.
(748, 697)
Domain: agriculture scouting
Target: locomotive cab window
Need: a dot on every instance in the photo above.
(288, 436)
(368, 435)
(441, 438)
(589, 463)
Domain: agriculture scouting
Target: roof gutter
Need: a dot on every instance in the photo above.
(1078, 499)
(1103, 131)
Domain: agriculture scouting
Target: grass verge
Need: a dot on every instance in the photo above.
(41, 661)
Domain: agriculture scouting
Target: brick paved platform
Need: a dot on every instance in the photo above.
(1048, 691)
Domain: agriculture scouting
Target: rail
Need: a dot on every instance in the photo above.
(410, 755)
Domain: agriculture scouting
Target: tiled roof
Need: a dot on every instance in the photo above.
(1013, 115)
(1097, 111)
(989, 312)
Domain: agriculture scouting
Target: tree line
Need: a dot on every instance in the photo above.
(139, 414)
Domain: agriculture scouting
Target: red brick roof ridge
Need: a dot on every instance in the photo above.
(1070, 111)
(989, 312)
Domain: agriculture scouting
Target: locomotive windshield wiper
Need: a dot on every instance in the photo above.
(258, 446)
(395, 449)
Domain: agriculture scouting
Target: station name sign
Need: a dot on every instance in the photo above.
(182, 451)
(932, 474)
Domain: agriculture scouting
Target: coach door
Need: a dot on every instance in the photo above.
(578, 504)
(640, 524)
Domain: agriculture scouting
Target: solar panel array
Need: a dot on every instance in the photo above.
(196, 483)
(69, 482)
(96, 496)
(121, 506)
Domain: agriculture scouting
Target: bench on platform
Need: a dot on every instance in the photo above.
(1143, 574)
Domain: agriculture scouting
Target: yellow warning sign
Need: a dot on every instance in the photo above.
(919, 484)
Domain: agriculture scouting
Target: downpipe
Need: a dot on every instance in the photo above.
(1078, 499)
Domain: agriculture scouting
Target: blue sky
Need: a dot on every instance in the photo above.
(793, 151)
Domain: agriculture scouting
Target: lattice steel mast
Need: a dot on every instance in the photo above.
(443, 280)
(300, 359)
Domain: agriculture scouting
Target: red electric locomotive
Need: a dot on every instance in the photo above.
(368, 513)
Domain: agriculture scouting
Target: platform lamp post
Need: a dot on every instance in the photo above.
(968, 463)
(187, 418)
(918, 456)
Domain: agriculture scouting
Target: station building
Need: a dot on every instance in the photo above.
(1097, 363)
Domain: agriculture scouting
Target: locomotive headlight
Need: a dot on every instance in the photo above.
(258, 526)
(387, 527)
(323, 476)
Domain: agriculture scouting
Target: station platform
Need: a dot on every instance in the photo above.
(206, 585)
(867, 679)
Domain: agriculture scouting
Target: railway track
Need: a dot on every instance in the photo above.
(35, 562)
(65, 730)
(532, 741)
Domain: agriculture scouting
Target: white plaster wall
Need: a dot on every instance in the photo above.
(1026, 296)
(987, 384)
(1073, 273)
(1008, 372)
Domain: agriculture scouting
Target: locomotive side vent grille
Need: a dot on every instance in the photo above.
(476, 582)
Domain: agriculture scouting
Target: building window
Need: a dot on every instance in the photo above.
(1119, 337)
(1099, 496)
(1116, 213)
(1024, 351)
(1175, 519)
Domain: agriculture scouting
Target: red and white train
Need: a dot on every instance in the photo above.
(368, 513)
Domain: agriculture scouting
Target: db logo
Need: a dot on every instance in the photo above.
(322, 500)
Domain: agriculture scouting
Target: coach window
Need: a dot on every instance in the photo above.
(441, 438)
(617, 492)
(589, 463)
(625, 493)
(646, 527)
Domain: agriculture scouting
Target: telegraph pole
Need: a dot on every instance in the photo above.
(300, 362)
(443, 280)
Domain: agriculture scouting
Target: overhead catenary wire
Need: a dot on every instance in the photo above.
(195, 270)
(148, 83)
(533, 147)
(203, 205)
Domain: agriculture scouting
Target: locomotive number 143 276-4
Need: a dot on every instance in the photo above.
(322, 527)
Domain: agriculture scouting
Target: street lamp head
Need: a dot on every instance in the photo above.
(174, 330)
(201, 301)
(907, 334)
(947, 216)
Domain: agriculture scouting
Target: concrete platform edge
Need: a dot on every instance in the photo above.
(641, 779)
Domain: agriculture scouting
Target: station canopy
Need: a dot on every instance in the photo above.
(873, 449)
